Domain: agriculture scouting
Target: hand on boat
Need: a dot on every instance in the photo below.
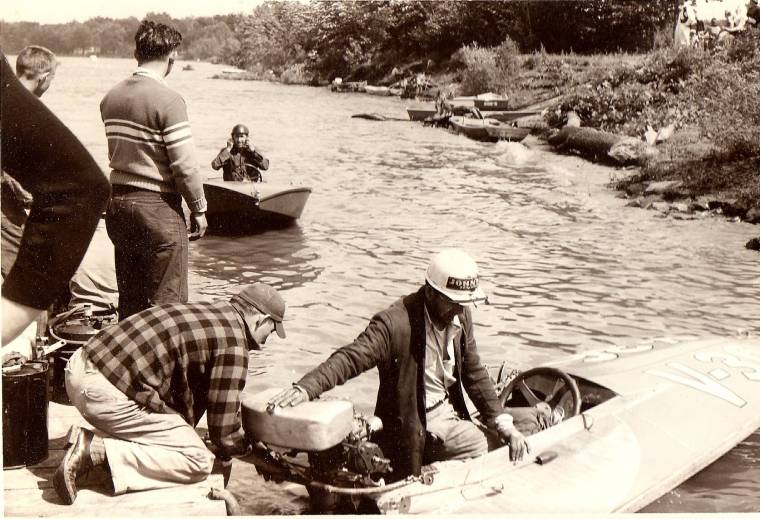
(198, 226)
(287, 397)
(518, 445)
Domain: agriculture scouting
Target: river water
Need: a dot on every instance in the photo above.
(567, 267)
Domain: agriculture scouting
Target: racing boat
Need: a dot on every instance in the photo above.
(234, 205)
(638, 422)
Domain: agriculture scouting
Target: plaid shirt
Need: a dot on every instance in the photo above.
(184, 358)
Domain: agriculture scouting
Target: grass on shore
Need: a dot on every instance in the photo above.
(709, 97)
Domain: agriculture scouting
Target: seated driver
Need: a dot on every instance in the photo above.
(239, 159)
(425, 352)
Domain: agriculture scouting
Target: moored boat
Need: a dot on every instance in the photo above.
(506, 116)
(490, 101)
(476, 129)
(377, 90)
(242, 205)
(420, 113)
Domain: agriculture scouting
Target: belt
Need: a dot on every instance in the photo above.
(434, 406)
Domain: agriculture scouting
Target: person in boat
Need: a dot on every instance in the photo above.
(153, 168)
(424, 348)
(145, 382)
(69, 192)
(239, 160)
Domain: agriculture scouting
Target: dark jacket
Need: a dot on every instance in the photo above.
(69, 193)
(240, 164)
(394, 341)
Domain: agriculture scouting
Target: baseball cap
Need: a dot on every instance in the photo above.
(267, 301)
(454, 274)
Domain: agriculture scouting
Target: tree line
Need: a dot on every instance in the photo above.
(367, 38)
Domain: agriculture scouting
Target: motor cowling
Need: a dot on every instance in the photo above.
(355, 459)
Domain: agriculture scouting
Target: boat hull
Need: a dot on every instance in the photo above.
(377, 90)
(507, 133)
(675, 409)
(420, 114)
(244, 204)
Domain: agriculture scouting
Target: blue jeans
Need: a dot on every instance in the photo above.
(150, 242)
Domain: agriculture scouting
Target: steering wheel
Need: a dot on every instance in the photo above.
(563, 388)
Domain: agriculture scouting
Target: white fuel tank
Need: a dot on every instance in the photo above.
(310, 426)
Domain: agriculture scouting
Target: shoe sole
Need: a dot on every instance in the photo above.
(65, 489)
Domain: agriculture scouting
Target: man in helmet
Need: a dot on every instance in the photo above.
(239, 159)
(424, 348)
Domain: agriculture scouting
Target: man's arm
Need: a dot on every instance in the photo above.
(178, 137)
(69, 193)
(259, 160)
(226, 382)
(481, 391)
(475, 378)
(221, 159)
(369, 349)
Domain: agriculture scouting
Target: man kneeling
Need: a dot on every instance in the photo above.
(145, 382)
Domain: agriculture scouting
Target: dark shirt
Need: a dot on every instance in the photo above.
(188, 358)
(68, 188)
(240, 164)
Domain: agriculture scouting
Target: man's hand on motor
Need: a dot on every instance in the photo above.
(287, 397)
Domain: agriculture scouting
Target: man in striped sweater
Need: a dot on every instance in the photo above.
(153, 165)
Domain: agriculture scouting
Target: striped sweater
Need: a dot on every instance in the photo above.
(150, 145)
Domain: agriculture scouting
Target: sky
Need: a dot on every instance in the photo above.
(62, 11)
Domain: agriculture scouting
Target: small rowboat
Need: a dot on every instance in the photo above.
(420, 113)
(240, 205)
(476, 129)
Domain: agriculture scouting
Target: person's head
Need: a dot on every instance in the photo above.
(35, 68)
(240, 135)
(156, 44)
(263, 310)
(451, 282)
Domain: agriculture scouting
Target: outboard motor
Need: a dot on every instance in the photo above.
(343, 459)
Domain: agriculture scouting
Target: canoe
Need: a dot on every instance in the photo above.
(507, 133)
(377, 90)
(650, 417)
(243, 204)
(420, 113)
